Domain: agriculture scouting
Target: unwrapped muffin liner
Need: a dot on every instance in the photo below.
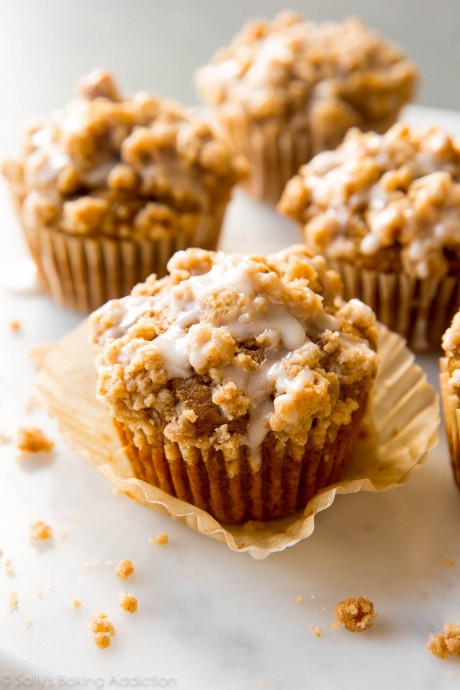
(419, 310)
(82, 273)
(451, 406)
(400, 428)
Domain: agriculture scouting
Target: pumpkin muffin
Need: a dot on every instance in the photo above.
(385, 211)
(108, 188)
(238, 382)
(287, 89)
(450, 391)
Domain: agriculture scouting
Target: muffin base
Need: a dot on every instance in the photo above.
(419, 310)
(451, 407)
(82, 273)
(235, 490)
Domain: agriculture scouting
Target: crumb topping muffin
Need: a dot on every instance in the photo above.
(120, 166)
(232, 357)
(451, 347)
(389, 202)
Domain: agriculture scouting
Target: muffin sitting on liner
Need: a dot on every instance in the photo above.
(237, 382)
(385, 211)
(108, 188)
(286, 89)
(450, 391)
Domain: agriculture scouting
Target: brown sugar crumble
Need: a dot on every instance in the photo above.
(162, 539)
(316, 630)
(102, 628)
(445, 643)
(128, 602)
(39, 530)
(124, 569)
(355, 614)
(76, 603)
(33, 440)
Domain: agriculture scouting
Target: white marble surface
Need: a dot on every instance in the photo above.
(210, 618)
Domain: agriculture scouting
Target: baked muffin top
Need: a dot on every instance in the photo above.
(279, 68)
(390, 202)
(114, 165)
(228, 348)
(451, 347)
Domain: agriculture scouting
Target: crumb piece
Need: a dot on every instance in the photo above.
(448, 563)
(5, 438)
(102, 641)
(446, 643)
(316, 630)
(40, 594)
(298, 599)
(102, 628)
(262, 683)
(355, 614)
(39, 530)
(13, 600)
(162, 539)
(124, 569)
(32, 440)
(450, 674)
(76, 603)
(9, 568)
(128, 602)
(28, 622)
(15, 325)
(90, 564)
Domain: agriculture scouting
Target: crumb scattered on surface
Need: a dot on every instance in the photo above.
(40, 594)
(15, 325)
(76, 603)
(188, 570)
(9, 568)
(102, 628)
(262, 683)
(90, 564)
(124, 569)
(28, 622)
(355, 614)
(298, 599)
(446, 643)
(450, 674)
(316, 630)
(162, 539)
(128, 602)
(40, 531)
(4, 438)
(32, 440)
(448, 563)
(13, 600)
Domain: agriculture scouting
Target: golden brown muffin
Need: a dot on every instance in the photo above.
(450, 391)
(108, 188)
(238, 382)
(286, 89)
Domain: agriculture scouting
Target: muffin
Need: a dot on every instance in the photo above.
(108, 188)
(385, 211)
(287, 89)
(237, 383)
(450, 391)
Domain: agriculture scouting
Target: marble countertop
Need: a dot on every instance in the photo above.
(209, 618)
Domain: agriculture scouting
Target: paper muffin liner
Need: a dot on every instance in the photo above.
(451, 407)
(82, 273)
(236, 490)
(402, 422)
(419, 310)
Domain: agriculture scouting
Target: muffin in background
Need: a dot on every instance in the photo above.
(385, 212)
(238, 382)
(108, 188)
(287, 89)
(450, 391)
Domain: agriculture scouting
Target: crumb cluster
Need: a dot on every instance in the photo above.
(355, 614)
(162, 539)
(102, 629)
(40, 531)
(128, 602)
(33, 440)
(389, 202)
(446, 643)
(451, 347)
(124, 569)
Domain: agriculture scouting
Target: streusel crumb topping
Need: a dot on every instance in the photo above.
(451, 347)
(445, 643)
(117, 166)
(290, 67)
(31, 439)
(389, 201)
(355, 614)
(228, 348)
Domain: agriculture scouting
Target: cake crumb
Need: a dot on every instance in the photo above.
(316, 630)
(128, 602)
(102, 641)
(162, 539)
(40, 531)
(124, 569)
(355, 614)
(13, 600)
(90, 564)
(102, 628)
(76, 603)
(15, 325)
(32, 440)
(28, 622)
(9, 568)
(446, 643)
(298, 599)
(448, 563)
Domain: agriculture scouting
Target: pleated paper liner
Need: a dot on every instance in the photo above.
(82, 273)
(451, 406)
(402, 423)
(420, 310)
